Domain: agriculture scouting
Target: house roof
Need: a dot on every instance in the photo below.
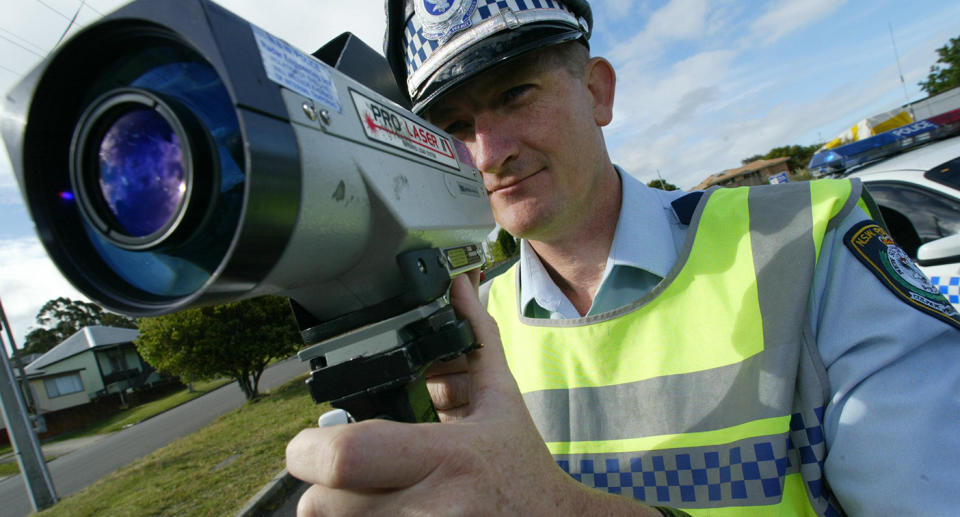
(85, 339)
(740, 171)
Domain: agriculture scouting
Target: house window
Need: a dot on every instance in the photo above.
(63, 385)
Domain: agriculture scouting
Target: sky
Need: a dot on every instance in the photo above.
(700, 85)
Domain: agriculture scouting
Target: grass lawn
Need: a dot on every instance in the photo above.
(142, 412)
(213, 471)
(8, 468)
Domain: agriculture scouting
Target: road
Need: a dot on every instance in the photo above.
(82, 467)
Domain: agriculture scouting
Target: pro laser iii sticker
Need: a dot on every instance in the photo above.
(872, 246)
(296, 71)
(385, 125)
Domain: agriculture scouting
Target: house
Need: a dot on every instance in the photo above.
(91, 375)
(754, 173)
(94, 362)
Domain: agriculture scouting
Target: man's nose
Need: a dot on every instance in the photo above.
(495, 143)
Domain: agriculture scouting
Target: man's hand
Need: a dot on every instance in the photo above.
(485, 458)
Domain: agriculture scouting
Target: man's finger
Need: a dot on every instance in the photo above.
(449, 391)
(351, 456)
(475, 276)
(319, 501)
(466, 302)
(458, 365)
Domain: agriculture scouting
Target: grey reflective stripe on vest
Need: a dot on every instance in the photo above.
(748, 472)
(783, 257)
(726, 394)
(781, 264)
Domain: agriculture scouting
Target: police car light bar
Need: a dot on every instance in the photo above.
(836, 161)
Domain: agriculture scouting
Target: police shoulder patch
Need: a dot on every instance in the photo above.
(875, 248)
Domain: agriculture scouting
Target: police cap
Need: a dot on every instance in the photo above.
(435, 45)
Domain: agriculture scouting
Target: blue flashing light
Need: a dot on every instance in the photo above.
(66, 195)
(839, 159)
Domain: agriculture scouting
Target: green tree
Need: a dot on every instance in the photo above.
(945, 73)
(799, 155)
(662, 184)
(508, 243)
(235, 340)
(503, 247)
(63, 317)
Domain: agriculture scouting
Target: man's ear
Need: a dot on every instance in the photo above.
(601, 80)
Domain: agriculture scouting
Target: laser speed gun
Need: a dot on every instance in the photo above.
(173, 155)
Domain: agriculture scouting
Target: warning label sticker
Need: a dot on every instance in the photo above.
(296, 71)
(383, 124)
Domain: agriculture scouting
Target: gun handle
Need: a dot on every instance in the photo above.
(408, 402)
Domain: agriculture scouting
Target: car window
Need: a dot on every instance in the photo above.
(946, 174)
(915, 215)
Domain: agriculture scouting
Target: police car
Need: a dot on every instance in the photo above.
(916, 184)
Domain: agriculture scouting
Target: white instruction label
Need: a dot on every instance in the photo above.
(296, 71)
(383, 124)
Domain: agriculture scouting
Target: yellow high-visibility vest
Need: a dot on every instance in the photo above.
(707, 394)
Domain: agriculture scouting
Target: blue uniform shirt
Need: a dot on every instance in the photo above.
(893, 422)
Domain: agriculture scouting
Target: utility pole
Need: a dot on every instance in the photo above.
(25, 445)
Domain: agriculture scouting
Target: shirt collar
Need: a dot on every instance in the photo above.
(643, 239)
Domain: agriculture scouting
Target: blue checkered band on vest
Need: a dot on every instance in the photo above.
(421, 43)
(949, 287)
(752, 470)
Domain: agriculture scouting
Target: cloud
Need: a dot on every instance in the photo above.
(9, 193)
(789, 16)
(28, 279)
(617, 8)
(647, 97)
(308, 27)
(677, 20)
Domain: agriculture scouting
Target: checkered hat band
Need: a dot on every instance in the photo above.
(418, 47)
(747, 472)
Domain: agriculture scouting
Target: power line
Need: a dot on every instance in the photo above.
(48, 6)
(28, 42)
(14, 72)
(92, 8)
(21, 46)
(67, 17)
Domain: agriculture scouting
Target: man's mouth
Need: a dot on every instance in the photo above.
(511, 184)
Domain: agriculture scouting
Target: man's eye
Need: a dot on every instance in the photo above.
(456, 127)
(516, 92)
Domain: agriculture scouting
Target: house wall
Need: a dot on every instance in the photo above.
(47, 404)
(77, 417)
(89, 375)
(757, 177)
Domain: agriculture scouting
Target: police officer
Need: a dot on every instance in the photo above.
(758, 349)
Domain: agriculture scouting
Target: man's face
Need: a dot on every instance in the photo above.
(532, 129)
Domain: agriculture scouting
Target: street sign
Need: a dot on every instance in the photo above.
(779, 178)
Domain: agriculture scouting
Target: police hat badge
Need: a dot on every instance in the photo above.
(441, 19)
